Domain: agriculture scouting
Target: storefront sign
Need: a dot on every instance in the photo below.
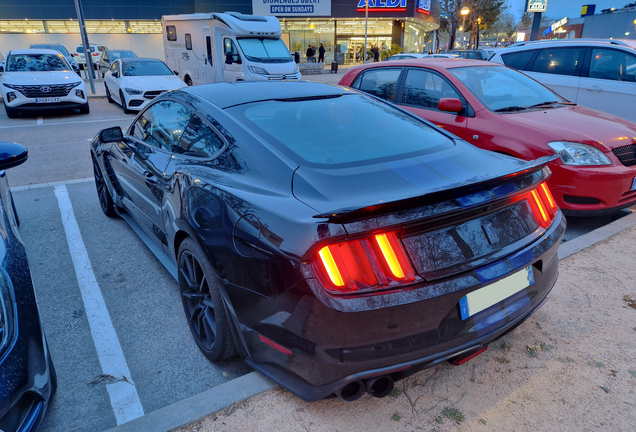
(537, 5)
(292, 7)
(383, 5)
(555, 26)
(424, 6)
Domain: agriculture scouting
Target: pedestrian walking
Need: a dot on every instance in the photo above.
(321, 54)
(309, 54)
(313, 48)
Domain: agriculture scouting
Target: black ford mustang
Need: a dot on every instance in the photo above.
(27, 376)
(338, 243)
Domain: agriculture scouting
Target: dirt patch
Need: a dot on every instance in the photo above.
(570, 367)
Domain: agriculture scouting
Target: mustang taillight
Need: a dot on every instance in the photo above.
(363, 264)
(542, 204)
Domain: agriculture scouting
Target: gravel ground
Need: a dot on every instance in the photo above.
(570, 367)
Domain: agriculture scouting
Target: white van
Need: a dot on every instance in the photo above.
(226, 47)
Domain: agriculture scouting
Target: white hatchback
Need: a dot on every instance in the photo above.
(599, 74)
(38, 79)
(133, 82)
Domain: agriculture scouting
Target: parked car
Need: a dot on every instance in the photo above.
(472, 54)
(497, 108)
(28, 380)
(61, 48)
(417, 56)
(41, 79)
(595, 73)
(133, 82)
(110, 56)
(334, 265)
(1, 63)
(96, 52)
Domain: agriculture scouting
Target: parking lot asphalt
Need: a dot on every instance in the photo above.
(140, 296)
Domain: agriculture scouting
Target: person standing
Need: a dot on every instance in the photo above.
(310, 54)
(376, 53)
(321, 54)
(313, 48)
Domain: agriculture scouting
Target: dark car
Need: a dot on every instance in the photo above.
(27, 376)
(62, 49)
(110, 56)
(337, 258)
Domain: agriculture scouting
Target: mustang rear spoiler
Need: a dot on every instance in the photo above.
(350, 214)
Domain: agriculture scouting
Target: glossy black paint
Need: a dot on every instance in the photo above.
(260, 215)
(26, 373)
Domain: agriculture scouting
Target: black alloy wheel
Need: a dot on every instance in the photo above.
(202, 303)
(123, 103)
(108, 96)
(105, 200)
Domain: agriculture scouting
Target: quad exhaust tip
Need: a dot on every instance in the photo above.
(352, 391)
(379, 387)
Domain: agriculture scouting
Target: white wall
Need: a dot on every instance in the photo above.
(144, 45)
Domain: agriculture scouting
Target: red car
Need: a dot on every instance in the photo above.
(497, 108)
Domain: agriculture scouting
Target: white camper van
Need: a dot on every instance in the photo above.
(226, 47)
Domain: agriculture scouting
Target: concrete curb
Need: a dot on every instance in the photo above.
(197, 407)
(591, 238)
(194, 408)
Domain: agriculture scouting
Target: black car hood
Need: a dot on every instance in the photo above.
(330, 190)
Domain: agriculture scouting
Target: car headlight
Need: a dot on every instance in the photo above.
(11, 86)
(132, 91)
(579, 154)
(257, 70)
(76, 84)
(296, 70)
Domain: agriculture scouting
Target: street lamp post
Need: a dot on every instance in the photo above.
(465, 11)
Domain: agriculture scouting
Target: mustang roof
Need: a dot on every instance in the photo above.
(225, 95)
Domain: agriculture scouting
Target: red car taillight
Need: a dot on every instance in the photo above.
(363, 264)
(542, 203)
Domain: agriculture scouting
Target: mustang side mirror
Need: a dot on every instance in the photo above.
(450, 105)
(12, 155)
(113, 134)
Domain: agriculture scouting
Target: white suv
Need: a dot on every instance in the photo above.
(97, 51)
(36, 79)
(595, 73)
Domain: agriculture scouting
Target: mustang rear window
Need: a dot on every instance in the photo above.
(341, 130)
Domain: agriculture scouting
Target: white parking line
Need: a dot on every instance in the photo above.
(64, 123)
(40, 120)
(45, 185)
(123, 394)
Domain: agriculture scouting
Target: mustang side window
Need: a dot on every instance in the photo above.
(424, 89)
(199, 140)
(162, 124)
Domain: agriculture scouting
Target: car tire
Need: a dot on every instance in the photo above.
(11, 112)
(188, 81)
(202, 303)
(102, 73)
(85, 109)
(103, 194)
(108, 96)
(123, 103)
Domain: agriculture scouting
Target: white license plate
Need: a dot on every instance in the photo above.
(48, 100)
(492, 294)
(634, 184)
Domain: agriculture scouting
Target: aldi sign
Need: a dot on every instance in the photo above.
(383, 5)
(537, 5)
(424, 6)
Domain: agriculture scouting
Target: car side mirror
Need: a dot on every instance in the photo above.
(450, 105)
(115, 75)
(232, 58)
(176, 73)
(1, 69)
(113, 134)
(12, 154)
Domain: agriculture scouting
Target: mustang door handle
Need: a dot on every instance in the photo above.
(594, 88)
(150, 177)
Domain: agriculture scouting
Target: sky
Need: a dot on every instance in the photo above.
(569, 8)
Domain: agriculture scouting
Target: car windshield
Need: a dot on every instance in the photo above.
(265, 50)
(503, 89)
(80, 49)
(349, 129)
(146, 68)
(114, 55)
(36, 63)
(59, 48)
